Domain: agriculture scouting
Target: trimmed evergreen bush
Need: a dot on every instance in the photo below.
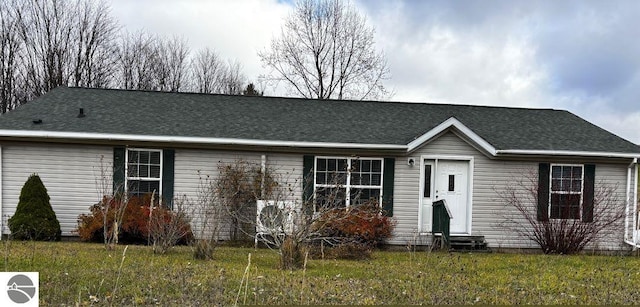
(34, 218)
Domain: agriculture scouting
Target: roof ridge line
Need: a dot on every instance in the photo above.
(314, 99)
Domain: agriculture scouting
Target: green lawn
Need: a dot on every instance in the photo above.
(82, 273)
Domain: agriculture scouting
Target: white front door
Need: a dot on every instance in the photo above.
(452, 185)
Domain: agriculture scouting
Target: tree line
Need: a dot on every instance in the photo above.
(325, 50)
(49, 43)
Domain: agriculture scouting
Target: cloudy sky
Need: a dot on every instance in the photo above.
(583, 56)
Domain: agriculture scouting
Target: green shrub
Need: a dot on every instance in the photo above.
(34, 218)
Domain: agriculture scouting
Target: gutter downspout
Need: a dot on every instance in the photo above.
(263, 171)
(1, 188)
(633, 241)
(635, 198)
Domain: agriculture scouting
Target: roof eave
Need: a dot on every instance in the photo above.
(193, 140)
(566, 153)
(481, 143)
(451, 122)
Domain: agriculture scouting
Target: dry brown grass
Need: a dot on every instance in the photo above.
(82, 273)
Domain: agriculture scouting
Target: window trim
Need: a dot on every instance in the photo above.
(126, 169)
(348, 186)
(551, 191)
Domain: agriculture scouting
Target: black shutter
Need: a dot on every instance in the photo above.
(118, 170)
(168, 168)
(387, 186)
(308, 162)
(588, 192)
(543, 191)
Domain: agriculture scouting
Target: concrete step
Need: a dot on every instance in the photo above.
(468, 243)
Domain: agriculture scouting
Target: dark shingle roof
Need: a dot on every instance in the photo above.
(303, 120)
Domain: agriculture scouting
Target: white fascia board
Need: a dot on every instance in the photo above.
(452, 122)
(568, 153)
(191, 140)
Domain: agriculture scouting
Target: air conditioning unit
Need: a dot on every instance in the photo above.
(273, 217)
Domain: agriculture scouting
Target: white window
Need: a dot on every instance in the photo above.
(566, 191)
(341, 182)
(144, 171)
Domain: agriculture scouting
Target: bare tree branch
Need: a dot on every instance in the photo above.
(326, 51)
(564, 236)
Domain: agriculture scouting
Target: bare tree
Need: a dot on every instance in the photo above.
(326, 51)
(136, 61)
(10, 48)
(48, 43)
(46, 29)
(207, 70)
(557, 235)
(94, 50)
(234, 79)
(149, 62)
(210, 74)
(171, 63)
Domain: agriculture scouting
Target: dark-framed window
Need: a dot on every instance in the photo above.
(143, 171)
(347, 181)
(566, 191)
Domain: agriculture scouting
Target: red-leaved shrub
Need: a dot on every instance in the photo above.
(363, 224)
(135, 221)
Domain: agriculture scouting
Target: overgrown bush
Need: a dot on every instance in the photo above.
(136, 224)
(238, 186)
(34, 218)
(292, 254)
(168, 227)
(522, 216)
(363, 225)
(203, 249)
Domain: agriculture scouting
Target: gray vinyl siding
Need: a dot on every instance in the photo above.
(614, 176)
(489, 177)
(190, 164)
(69, 172)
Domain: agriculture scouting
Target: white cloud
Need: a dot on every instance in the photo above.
(563, 56)
(440, 63)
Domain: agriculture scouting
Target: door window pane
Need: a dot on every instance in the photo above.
(427, 181)
(452, 183)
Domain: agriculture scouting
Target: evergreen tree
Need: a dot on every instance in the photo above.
(252, 91)
(34, 218)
